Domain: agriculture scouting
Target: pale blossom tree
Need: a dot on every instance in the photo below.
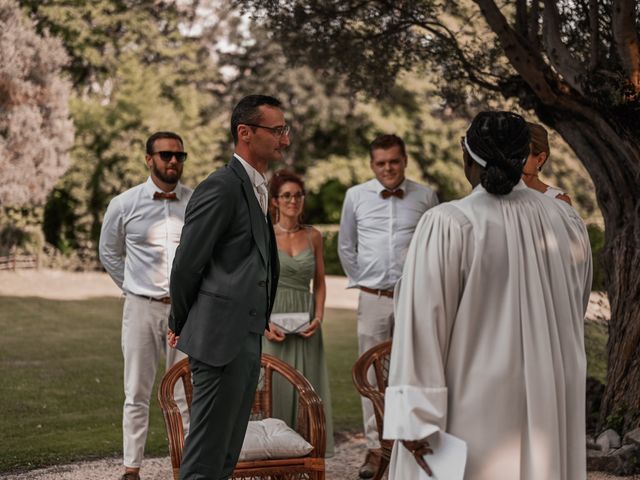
(36, 131)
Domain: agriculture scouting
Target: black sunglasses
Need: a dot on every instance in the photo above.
(166, 156)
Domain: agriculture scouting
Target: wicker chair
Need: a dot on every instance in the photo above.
(375, 363)
(311, 423)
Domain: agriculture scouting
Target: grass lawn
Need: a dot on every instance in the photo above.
(61, 376)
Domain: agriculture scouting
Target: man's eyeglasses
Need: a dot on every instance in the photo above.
(166, 156)
(277, 131)
(287, 196)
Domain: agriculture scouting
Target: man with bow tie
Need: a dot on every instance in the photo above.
(377, 224)
(140, 233)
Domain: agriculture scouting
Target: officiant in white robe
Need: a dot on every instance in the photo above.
(489, 343)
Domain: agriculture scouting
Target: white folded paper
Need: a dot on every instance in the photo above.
(448, 459)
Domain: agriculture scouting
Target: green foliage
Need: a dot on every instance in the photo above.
(326, 204)
(135, 73)
(596, 238)
(615, 420)
(62, 394)
(332, 265)
(20, 230)
(595, 342)
(96, 33)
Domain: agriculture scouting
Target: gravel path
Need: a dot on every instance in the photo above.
(350, 448)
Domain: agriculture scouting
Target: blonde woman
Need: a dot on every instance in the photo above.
(538, 156)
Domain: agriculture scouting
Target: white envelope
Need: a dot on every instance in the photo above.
(291, 322)
(448, 459)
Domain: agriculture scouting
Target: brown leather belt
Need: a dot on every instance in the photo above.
(373, 291)
(165, 300)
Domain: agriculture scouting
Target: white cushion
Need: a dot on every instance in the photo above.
(272, 438)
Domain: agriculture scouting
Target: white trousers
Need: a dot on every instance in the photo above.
(375, 325)
(144, 341)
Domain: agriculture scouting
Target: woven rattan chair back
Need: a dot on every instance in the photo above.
(370, 376)
(311, 422)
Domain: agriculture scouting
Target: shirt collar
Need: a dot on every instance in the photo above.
(255, 176)
(150, 188)
(379, 187)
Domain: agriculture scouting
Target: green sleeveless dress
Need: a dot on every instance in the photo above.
(305, 354)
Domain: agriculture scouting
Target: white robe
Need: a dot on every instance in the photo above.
(488, 343)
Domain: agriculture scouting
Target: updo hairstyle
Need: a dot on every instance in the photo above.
(539, 139)
(502, 140)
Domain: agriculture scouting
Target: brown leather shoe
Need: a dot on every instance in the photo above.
(130, 476)
(370, 466)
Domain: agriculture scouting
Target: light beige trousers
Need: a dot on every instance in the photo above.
(144, 341)
(375, 325)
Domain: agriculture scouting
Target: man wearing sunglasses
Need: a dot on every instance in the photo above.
(223, 283)
(140, 234)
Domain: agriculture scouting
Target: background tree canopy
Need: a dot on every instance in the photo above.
(346, 71)
(574, 64)
(35, 129)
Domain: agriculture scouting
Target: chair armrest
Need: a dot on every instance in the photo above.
(310, 409)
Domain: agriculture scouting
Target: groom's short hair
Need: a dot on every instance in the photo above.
(248, 111)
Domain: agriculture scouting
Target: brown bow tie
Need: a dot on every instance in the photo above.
(386, 193)
(165, 196)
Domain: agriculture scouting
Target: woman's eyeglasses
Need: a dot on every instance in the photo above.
(166, 156)
(287, 196)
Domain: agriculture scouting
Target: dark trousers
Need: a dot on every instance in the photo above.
(222, 400)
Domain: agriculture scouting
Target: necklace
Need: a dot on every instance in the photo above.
(288, 230)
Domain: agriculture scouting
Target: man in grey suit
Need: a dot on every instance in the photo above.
(223, 283)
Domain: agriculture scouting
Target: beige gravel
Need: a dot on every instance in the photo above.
(344, 465)
(350, 448)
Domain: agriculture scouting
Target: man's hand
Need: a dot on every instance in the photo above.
(172, 338)
(274, 334)
(419, 448)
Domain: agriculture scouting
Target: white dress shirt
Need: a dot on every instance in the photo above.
(375, 232)
(259, 183)
(139, 238)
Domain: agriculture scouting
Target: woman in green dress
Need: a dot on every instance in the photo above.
(301, 264)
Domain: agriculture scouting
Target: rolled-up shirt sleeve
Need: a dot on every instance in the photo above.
(112, 243)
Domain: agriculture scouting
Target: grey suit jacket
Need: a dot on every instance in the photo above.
(225, 270)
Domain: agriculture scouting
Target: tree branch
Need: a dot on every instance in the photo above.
(626, 38)
(473, 73)
(521, 17)
(534, 21)
(559, 56)
(527, 62)
(594, 58)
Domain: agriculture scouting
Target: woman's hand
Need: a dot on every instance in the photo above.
(419, 448)
(311, 329)
(274, 334)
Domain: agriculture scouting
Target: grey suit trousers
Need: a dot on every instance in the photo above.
(220, 411)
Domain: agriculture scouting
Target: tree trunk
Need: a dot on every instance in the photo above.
(611, 154)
